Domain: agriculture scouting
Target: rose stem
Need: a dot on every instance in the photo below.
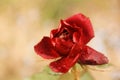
(76, 72)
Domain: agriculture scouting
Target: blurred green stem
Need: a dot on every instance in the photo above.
(76, 72)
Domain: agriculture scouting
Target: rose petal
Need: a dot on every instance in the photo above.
(64, 24)
(65, 63)
(84, 23)
(53, 33)
(57, 32)
(90, 56)
(45, 49)
(79, 38)
(62, 46)
(76, 37)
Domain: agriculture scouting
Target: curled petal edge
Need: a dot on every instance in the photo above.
(45, 49)
(89, 56)
(64, 64)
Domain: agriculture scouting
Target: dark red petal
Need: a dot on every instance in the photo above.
(64, 24)
(45, 49)
(84, 23)
(90, 56)
(65, 63)
(76, 37)
(53, 33)
(62, 46)
(79, 38)
(57, 32)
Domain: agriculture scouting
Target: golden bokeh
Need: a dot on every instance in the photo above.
(24, 22)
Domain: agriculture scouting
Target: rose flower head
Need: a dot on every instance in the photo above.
(68, 43)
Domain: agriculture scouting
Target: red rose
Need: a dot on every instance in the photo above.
(68, 42)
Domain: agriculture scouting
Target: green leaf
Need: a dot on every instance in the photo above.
(87, 76)
(104, 66)
(46, 74)
(67, 76)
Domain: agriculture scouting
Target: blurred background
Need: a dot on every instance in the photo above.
(24, 22)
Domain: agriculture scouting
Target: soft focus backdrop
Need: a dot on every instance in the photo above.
(24, 22)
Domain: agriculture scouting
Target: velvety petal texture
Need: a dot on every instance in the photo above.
(68, 44)
(65, 63)
(45, 49)
(62, 47)
(84, 23)
(90, 56)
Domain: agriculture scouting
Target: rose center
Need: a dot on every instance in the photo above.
(64, 34)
